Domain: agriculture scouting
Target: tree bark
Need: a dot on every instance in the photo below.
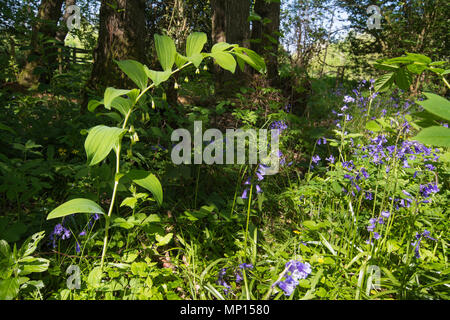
(265, 36)
(43, 53)
(230, 24)
(121, 37)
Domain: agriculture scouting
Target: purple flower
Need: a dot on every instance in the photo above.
(385, 214)
(258, 189)
(316, 159)
(244, 194)
(246, 266)
(348, 99)
(368, 195)
(376, 235)
(296, 270)
(330, 159)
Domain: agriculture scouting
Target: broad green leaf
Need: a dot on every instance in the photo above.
(419, 58)
(417, 68)
(99, 142)
(158, 76)
(111, 94)
(162, 241)
(135, 71)
(221, 46)
(180, 60)
(436, 105)
(95, 277)
(402, 79)
(165, 49)
(31, 264)
(93, 104)
(79, 205)
(196, 59)
(435, 136)
(445, 72)
(9, 289)
(122, 105)
(384, 82)
(129, 202)
(148, 181)
(30, 245)
(251, 58)
(373, 126)
(254, 17)
(195, 43)
(385, 67)
(225, 60)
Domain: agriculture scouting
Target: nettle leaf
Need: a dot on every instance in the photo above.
(111, 94)
(135, 71)
(402, 79)
(195, 43)
(166, 51)
(436, 105)
(225, 60)
(435, 136)
(148, 181)
(158, 77)
(99, 142)
(373, 126)
(79, 205)
(384, 82)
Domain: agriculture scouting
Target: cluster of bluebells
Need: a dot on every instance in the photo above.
(59, 232)
(223, 272)
(419, 237)
(381, 221)
(295, 270)
(242, 266)
(260, 173)
(280, 125)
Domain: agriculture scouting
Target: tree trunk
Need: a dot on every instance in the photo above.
(265, 36)
(43, 53)
(230, 24)
(121, 37)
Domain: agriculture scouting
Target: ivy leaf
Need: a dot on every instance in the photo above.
(79, 205)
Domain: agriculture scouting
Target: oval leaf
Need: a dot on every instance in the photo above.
(111, 94)
(165, 49)
(195, 43)
(79, 205)
(436, 105)
(148, 181)
(99, 142)
(135, 71)
(225, 60)
(435, 136)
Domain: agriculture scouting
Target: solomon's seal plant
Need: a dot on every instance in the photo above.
(102, 139)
